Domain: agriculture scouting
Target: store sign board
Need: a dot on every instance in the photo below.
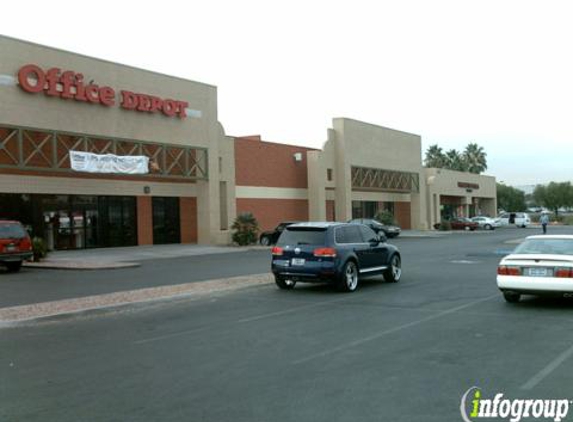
(70, 85)
(108, 163)
(466, 185)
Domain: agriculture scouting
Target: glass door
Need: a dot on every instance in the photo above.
(166, 227)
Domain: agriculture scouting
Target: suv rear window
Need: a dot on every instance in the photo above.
(348, 234)
(11, 231)
(302, 236)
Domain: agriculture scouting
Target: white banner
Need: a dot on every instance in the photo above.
(109, 163)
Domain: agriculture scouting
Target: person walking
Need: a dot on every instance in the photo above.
(544, 220)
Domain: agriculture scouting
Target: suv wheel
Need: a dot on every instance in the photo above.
(511, 297)
(14, 266)
(265, 241)
(349, 277)
(284, 284)
(394, 272)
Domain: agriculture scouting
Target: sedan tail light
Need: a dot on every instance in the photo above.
(26, 244)
(508, 270)
(325, 252)
(563, 272)
(277, 251)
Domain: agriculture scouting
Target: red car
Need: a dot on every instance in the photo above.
(15, 245)
(460, 223)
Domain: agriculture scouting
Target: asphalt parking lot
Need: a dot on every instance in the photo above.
(388, 352)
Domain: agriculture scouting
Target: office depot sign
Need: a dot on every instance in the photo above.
(70, 85)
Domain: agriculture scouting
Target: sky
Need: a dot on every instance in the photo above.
(498, 73)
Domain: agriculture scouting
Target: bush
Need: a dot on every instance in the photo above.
(385, 217)
(568, 220)
(39, 249)
(245, 229)
(445, 226)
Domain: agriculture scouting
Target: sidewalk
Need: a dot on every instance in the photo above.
(126, 257)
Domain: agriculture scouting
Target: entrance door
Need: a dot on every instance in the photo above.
(166, 227)
(117, 220)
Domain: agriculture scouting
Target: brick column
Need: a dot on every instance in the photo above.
(188, 219)
(144, 221)
(403, 215)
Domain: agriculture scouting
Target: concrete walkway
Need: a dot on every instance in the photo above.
(126, 257)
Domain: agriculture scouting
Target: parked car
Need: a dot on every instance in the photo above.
(520, 219)
(486, 223)
(389, 231)
(270, 237)
(540, 265)
(337, 253)
(15, 245)
(460, 223)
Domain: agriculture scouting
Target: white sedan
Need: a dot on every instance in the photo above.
(486, 223)
(540, 265)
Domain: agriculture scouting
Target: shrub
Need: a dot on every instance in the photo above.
(445, 226)
(385, 217)
(39, 249)
(245, 229)
(568, 220)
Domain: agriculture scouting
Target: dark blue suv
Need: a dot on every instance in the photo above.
(335, 252)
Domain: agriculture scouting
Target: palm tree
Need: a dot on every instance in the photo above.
(455, 161)
(475, 158)
(435, 157)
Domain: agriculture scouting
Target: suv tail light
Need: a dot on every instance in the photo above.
(508, 270)
(325, 252)
(277, 251)
(563, 272)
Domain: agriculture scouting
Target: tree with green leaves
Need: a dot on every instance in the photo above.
(455, 161)
(435, 157)
(475, 158)
(554, 195)
(510, 198)
(472, 160)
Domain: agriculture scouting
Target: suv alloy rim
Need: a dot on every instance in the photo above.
(351, 276)
(396, 269)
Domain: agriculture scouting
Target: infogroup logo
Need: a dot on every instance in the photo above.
(474, 407)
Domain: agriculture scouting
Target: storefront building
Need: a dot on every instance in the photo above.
(54, 102)
(59, 111)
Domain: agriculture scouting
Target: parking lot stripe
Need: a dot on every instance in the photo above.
(290, 310)
(380, 334)
(171, 335)
(553, 365)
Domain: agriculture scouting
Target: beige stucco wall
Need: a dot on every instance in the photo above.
(445, 182)
(200, 129)
(354, 143)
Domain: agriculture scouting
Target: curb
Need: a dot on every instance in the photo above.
(75, 265)
(25, 313)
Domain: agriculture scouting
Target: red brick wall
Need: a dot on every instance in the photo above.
(259, 163)
(144, 221)
(270, 212)
(188, 216)
(402, 214)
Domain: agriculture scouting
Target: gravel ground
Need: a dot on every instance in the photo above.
(9, 316)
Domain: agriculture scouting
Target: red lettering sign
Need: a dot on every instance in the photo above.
(70, 86)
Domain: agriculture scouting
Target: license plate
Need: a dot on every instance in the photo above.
(10, 248)
(540, 272)
(297, 261)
